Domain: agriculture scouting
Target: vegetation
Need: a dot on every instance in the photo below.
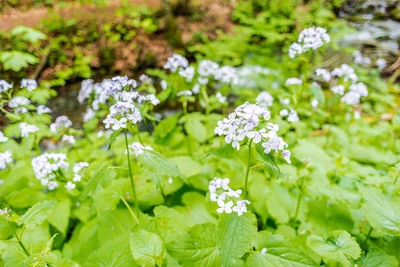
(265, 145)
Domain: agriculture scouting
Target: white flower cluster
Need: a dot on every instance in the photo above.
(325, 74)
(4, 86)
(291, 114)
(381, 63)
(60, 122)
(175, 62)
(227, 199)
(293, 81)
(68, 139)
(46, 165)
(26, 129)
(29, 84)
(42, 109)
(356, 91)
(138, 149)
(359, 59)
(120, 113)
(244, 122)
(345, 72)
(264, 99)
(17, 102)
(310, 38)
(3, 138)
(220, 97)
(78, 167)
(5, 212)
(5, 158)
(89, 114)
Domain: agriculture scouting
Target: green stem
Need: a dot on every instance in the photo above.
(205, 96)
(130, 173)
(395, 180)
(129, 209)
(247, 171)
(368, 236)
(299, 200)
(22, 245)
(184, 106)
(138, 134)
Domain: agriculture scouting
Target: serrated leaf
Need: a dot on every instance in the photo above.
(16, 60)
(378, 258)
(236, 235)
(36, 214)
(155, 162)
(197, 248)
(339, 247)
(381, 211)
(147, 248)
(115, 252)
(269, 161)
(28, 34)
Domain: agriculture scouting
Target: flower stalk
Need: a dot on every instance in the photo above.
(130, 173)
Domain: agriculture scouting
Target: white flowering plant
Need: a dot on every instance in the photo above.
(260, 166)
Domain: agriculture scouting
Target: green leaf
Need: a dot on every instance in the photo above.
(225, 151)
(115, 252)
(236, 235)
(316, 91)
(113, 137)
(197, 247)
(28, 34)
(381, 211)
(378, 258)
(186, 165)
(59, 216)
(196, 129)
(158, 164)
(16, 60)
(147, 248)
(339, 247)
(269, 161)
(36, 214)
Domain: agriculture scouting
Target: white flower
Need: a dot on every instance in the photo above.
(293, 81)
(240, 207)
(175, 62)
(381, 63)
(185, 93)
(29, 84)
(6, 212)
(286, 156)
(310, 38)
(285, 101)
(42, 109)
(3, 138)
(52, 185)
(220, 97)
(196, 88)
(325, 74)
(26, 129)
(338, 89)
(314, 103)
(45, 165)
(89, 114)
(17, 102)
(187, 73)
(357, 114)
(264, 251)
(284, 112)
(60, 122)
(69, 139)
(144, 78)
(359, 59)
(4, 86)
(207, 68)
(346, 72)
(163, 84)
(293, 117)
(138, 149)
(227, 74)
(202, 80)
(264, 98)
(69, 186)
(86, 90)
(5, 158)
